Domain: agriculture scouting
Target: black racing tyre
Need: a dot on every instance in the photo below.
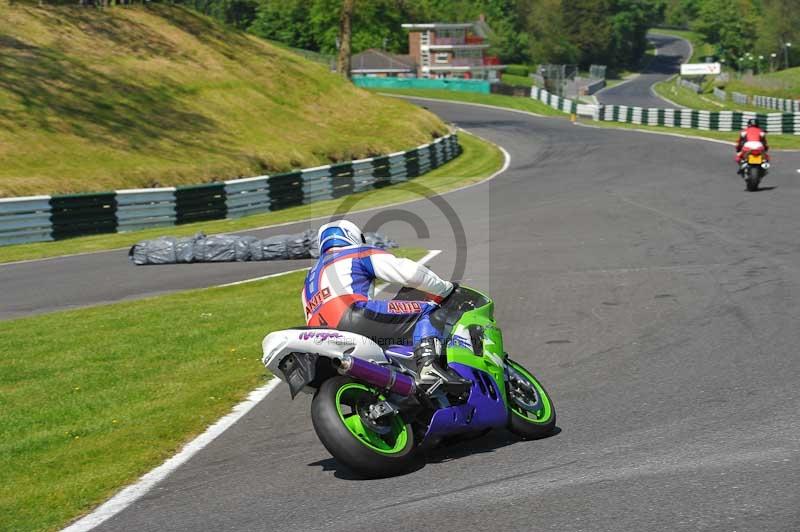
(369, 449)
(533, 415)
(751, 179)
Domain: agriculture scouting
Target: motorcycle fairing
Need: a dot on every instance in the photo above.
(485, 407)
(305, 346)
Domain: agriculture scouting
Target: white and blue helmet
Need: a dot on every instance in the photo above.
(339, 233)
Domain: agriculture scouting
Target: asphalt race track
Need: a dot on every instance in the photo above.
(656, 299)
(672, 51)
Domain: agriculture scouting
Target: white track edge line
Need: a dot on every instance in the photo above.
(668, 134)
(282, 224)
(430, 255)
(261, 278)
(132, 493)
(665, 133)
(128, 495)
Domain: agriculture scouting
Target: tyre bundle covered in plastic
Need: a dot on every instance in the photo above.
(234, 248)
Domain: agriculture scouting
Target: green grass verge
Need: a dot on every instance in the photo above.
(478, 160)
(781, 84)
(520, 81)
(499, 100)
(671, 90)
(93, 398)
(158, 95)
(786, 142)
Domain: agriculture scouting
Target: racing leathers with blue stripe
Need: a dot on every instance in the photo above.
(339, 290)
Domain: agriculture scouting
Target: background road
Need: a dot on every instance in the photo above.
(656, 299)
(672, 51)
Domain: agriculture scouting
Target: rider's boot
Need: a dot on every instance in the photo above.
(428, 353)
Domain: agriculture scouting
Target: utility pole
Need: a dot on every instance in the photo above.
(345, 36)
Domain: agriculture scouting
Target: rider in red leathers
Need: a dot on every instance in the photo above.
(751, 138)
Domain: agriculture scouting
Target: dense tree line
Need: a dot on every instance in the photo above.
(742, 31)
(524, 31)
(610, 32)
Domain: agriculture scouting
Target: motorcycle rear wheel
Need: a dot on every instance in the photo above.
(368, 448)
(751, 180)
(533, 414)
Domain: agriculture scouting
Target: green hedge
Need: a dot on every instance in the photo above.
(518, 70)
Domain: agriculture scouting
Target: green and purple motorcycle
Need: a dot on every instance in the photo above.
(373, 418)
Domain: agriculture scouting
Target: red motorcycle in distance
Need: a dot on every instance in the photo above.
(753, 166)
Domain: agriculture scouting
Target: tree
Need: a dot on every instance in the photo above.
(733, 25)
(549, 42)
(588, 26)
(779, 23)
(286, 21)
(629, 24)
(345, 38)
(681, 13)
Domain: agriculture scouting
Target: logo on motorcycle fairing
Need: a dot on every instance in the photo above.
(405, 307)
(460, 341)
(320, 336)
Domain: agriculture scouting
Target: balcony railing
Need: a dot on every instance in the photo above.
(448, 40)
(469, 39)
(472, 61)
(466, 61)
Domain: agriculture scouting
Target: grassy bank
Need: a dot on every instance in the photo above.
(509, 102)
(478, 160)
(705, 101)
(781, 84)
(93, 398)
(139, 96)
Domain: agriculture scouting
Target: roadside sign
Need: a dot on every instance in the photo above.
(700, 69)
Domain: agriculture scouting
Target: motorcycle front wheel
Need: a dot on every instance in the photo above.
(369, 448)
(533, 415)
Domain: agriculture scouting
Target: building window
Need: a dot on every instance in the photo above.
(442, 58)
(449, 36)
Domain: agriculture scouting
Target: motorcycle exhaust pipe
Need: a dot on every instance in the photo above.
(380, 376)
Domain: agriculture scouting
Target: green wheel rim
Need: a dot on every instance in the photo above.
(541, 415)
(392, 442)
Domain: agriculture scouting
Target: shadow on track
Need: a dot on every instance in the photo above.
(446, 452)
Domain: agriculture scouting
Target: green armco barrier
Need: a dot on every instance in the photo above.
(44, 218)
(461, 85)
